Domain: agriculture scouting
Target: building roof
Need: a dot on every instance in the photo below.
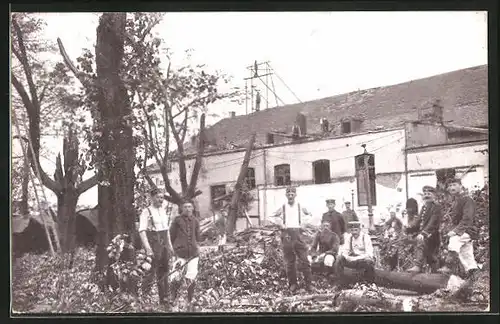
(463, 94)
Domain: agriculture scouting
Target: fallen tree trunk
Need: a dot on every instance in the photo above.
(424, 283)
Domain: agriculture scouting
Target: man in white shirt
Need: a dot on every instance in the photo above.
(154, 223)
(356, 252)
(291, 217)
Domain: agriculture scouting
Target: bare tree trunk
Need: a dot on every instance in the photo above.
(24, 209)
(116, 150)
(233, 208)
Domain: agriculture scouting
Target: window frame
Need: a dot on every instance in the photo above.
(321, 163)
(287, 169)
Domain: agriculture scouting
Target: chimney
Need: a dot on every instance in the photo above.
(431, 113)
(301, 122)
(232, 114)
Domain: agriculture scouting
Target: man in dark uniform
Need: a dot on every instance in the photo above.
(349, 214)
(328, 244)
(337, 223)
(428, 239)
(461, 236)
(185, 234)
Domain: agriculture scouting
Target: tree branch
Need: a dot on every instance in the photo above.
(23, 58)
(87, 184)
(79, 75)
(180, 150)
(34, 137)
(199, 157)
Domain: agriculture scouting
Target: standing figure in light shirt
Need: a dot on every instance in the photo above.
(154, 223)
(291, 217)
(356, 252)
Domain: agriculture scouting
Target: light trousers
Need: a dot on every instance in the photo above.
(462, 245)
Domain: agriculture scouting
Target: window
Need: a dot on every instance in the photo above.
(346, 127)
(250, 179)
(217, 191)
(321, 170)
(282, 175)
(366, 180)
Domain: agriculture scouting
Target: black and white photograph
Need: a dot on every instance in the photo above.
(249, 162)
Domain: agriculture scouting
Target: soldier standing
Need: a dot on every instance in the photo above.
(428, 239)
(337, 223)
(349, 214)
(290, 218)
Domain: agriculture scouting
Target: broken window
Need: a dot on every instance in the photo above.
(250, 178)
(321, 169)
(346, 127)
(365, 176)
(282, 175)
(216, 192)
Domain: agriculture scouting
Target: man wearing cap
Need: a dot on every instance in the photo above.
(356, 252)
(460, 238)
(348, 214)
(337, 224)
(154, 223)
(428, 238)
(328, 244)
(291, 217)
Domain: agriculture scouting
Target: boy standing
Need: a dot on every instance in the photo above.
(153, 232)
(185, 234)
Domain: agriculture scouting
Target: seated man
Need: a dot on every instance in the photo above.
(328, 244)
(356, 252)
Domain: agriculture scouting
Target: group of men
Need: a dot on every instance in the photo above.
(337, 246)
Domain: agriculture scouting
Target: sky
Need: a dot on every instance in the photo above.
(317, 54)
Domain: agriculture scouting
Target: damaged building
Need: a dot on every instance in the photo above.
(410, 131)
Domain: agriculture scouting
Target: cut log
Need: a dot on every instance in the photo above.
(422, 283)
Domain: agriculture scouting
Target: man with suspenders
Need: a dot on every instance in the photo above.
(290, 217)
(154, 225)
(356, 252)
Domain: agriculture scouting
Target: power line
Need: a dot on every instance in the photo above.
(337, 147)
(334, 160)
(296, 97)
